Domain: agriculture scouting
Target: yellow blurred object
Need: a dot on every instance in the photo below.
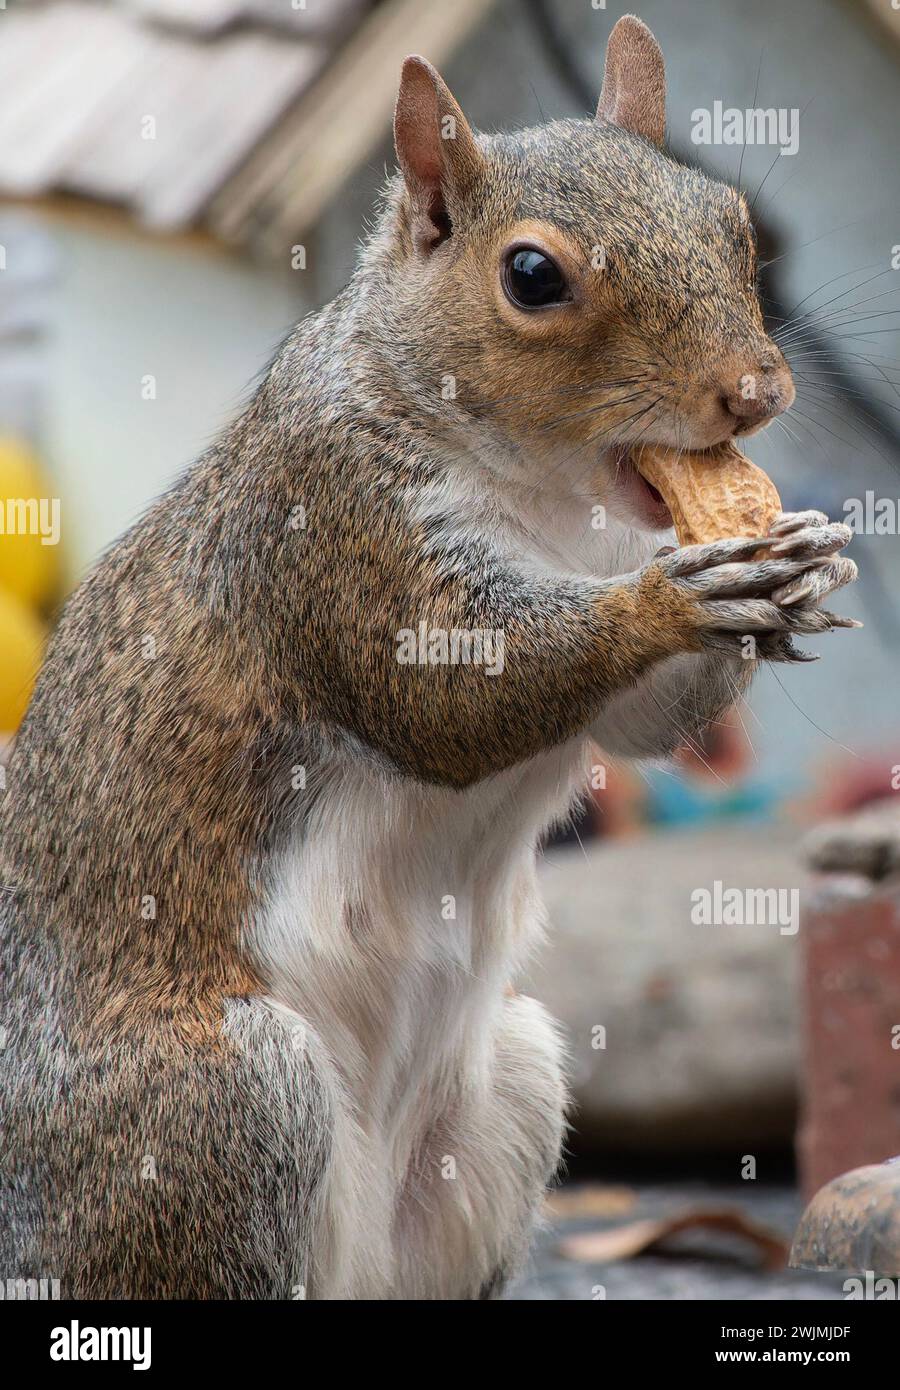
(22, 637)
(28, 568)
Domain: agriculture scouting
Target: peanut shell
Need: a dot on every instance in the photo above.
(712, 496)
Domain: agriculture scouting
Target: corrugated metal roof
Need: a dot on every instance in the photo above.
(206, 113)
(299, 17)
(152, 104)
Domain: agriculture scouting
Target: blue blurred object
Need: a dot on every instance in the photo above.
(678, 800)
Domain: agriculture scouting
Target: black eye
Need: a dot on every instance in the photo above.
(532, 280)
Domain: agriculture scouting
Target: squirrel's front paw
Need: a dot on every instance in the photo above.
(754, 595)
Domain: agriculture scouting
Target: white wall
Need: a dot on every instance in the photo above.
(202, 323)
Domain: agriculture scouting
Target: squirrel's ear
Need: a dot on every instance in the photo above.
(436, 150)
(634, 81)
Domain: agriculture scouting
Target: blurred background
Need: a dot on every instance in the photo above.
(180, 180)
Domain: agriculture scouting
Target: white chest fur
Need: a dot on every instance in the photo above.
(392, 928)
(397, 919)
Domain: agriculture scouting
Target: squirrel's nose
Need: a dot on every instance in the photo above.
(759, 396)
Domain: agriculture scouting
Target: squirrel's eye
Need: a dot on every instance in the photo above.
(532, 280)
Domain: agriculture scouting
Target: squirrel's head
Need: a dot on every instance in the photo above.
(573, 284)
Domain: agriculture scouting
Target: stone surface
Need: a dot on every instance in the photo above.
(700, 1020)
(853, 1223)
(692, 1266)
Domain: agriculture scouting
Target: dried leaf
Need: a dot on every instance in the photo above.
(624, 1242)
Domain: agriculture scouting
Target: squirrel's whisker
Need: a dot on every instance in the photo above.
(892, 463)
(835, 388)
(816, 310)
(490, 404)
(856, 270)
(588, 445)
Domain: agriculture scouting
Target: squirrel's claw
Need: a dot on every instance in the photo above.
(816, 583)
(786, 522)
(813, 540)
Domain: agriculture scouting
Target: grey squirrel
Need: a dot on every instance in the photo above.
(268, 839)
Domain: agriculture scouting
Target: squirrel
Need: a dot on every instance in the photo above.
(267, 861)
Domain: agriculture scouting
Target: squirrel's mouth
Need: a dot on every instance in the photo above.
(634, 498)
